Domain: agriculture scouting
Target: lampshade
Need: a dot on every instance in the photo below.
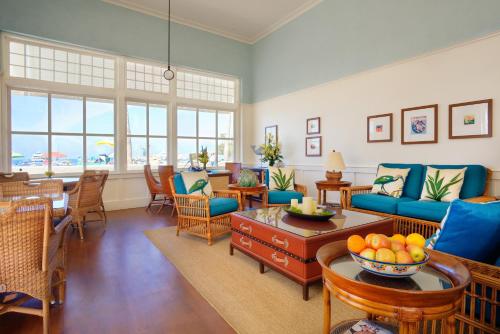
(334, 162)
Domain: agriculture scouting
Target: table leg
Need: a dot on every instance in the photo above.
(231, 250)
(406, 327)
(261, 267)
(319, 197)
(327, 308)
(324, 197)
(449, 325)
(250, 205)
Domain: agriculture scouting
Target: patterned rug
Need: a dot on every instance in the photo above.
(249, 301)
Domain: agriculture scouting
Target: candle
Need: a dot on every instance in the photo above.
(307, 204)
(294, 203)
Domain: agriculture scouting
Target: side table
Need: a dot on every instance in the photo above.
(432, 294)
(248, 192)
(325, 185)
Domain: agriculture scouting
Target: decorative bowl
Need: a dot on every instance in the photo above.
(325, 216)
(387, 269)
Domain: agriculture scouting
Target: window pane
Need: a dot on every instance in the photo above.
(67, 114)
(207, 123)
(186, 122)
(136, 152)
(100, 152)
(100, 116)
(210, 145)
(225, 151)
(29, 111)
(157, 120)
(158, 151)
(29, 153)
(185, 147)
(226, 123)
(136, 119)
(67, 153)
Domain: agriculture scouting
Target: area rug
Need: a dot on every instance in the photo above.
(249, 301)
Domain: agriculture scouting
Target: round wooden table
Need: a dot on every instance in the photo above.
(325, 185)
(434, 293)
(248, 192)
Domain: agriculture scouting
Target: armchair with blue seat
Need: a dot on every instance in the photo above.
(204, 216)
(283, 198)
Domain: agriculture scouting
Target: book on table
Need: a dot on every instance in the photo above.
(367, 327)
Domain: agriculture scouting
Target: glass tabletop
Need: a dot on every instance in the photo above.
(428, 279)
(278, 218)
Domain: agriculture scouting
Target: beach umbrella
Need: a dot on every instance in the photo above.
(17, 155)
(105, 142)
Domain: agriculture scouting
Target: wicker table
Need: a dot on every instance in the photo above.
(69, 182)
(59, 203)
(431, 295)
(248, 192)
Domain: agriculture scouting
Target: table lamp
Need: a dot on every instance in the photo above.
(334, 166)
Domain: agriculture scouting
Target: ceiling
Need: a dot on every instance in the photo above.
(243, 20)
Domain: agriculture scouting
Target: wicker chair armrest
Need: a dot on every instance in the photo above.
(481, 199)
(347, 192)
(57, 238)
(229, 194)
(192, 206)
(301, 188)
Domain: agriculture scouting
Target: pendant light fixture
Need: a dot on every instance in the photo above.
(168, 74)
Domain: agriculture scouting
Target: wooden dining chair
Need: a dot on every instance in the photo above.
(12, 177)
(106, 175)
(32, 258)
(165, 172)
(32, 188)
(85, 198)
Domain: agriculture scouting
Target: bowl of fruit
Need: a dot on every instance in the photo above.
(318, 214)
(396, 256)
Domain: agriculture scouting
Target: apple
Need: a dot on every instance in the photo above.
(368, 253)
(416, 253)
(380, 241)
(368, 239)
(403, 257)
(397, 246)
(385, 255)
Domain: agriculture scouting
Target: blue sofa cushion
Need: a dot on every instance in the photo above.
(376, 202)
(474, 180)
(472, 231)
(413, 182)
(220, 206)
(179, 185)
(283, 197)
(426, 210)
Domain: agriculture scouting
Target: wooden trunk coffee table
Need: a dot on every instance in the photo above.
(289, 245)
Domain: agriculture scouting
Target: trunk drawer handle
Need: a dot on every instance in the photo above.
(278, 260)
(246, 243)
(246, 228)
(277, 241)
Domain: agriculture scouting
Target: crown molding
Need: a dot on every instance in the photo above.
(237, 37)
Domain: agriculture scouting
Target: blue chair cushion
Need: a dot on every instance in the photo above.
(426, 210)
(376, 202)
(266, 177)
(474, 180)
(283, 197)
(413, 182)
(472, 231)
(179, 185)
(220, 206)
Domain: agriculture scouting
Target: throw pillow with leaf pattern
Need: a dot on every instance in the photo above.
(197, 183)
(281, 178)
(443, 185)
(390, 181)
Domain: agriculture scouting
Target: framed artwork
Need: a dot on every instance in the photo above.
(379, 128)
(471, 119)
(273, 131)
(313, 126)
(313, 146)
(419, 125)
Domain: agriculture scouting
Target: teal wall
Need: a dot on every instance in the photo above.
(99, 25)
(342, 37)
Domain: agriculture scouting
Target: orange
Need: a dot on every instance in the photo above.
(416, 240)
(356, 243)
(399, 238)
(368, 239)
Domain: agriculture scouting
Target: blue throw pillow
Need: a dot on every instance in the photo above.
(471, 230)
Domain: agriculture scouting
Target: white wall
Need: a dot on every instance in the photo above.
(466, 72)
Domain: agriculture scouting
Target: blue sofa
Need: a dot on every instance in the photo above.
(282, 198)
(409, 204)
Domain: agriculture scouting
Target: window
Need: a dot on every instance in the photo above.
(197, 128)
(40, 62)
(149, 78)
(147, 140)
(206, 88)
(66, 135)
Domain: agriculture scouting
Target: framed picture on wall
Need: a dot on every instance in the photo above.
(419, 125)
(271, 131)
(379, 128)
(313, 146)
(313, 126)
(471, 119)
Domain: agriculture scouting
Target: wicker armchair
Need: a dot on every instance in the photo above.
(32, 258)
(282, 198)
(105, 178)
(12, 177)
(194, 212)
(86, 198)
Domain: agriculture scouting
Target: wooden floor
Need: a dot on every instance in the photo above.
(118, 282)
